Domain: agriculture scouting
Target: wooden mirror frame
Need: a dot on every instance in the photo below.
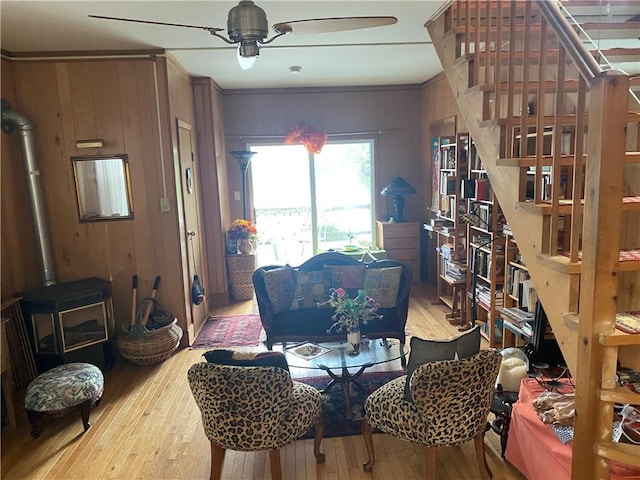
(93, 176)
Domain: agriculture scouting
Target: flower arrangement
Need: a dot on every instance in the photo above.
(241, 228)
(351, 311)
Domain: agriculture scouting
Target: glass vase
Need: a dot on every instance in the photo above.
(353, 341)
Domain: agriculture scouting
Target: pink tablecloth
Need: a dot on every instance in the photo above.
(533, 447)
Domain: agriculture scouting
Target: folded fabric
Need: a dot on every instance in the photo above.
(556, 408)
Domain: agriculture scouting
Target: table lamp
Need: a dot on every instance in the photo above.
(397, 188)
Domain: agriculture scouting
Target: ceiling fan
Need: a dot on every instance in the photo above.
(247, 26)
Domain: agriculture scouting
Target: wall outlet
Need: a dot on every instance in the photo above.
(236, 195)
(164, 205)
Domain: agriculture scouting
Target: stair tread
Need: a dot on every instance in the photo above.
(549, 85)
(620, 395)
(628, 258)
(621, 452)
(629, 204)
(530, 160)
(615, 54)
(548, 120)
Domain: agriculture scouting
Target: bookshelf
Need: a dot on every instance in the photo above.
(518, 312)
(451, 155)
(485, 253)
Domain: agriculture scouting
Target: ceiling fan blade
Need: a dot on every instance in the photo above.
(328, 25)
(133, 20)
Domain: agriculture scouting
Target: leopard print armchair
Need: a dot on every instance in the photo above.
(451, 403)
(253, 408)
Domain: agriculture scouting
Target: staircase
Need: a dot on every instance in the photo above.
(567, 176)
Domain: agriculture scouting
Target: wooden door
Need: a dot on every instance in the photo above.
(191, 224)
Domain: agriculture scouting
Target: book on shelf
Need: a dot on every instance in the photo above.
(446, 250)
(455, 271)
(517, 314)
(483, 189)
(628, 322)
(468, 188)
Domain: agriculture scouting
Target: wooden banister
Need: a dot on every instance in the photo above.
(569, 39)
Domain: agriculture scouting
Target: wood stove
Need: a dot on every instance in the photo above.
(70, 322)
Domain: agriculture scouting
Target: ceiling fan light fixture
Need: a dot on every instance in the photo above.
(247, 21)
(247, 53)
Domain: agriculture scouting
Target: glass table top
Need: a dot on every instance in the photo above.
(333, 355)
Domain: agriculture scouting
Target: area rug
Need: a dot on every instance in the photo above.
(336, 424)
(230, 331)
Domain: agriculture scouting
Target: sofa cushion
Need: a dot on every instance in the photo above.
(311, 288)
(280, 286)
(382, 285)
(465, 345)
(348, 277)
(247, 359)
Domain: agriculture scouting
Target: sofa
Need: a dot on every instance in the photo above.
(288, 297)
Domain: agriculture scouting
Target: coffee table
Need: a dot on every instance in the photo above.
(336, 362)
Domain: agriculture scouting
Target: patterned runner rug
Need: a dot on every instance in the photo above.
(230, 331)
(336, 424)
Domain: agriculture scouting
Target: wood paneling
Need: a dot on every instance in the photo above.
(394, 111)
(18, 271)
(438, 104)
(112, 99)
(213, 177)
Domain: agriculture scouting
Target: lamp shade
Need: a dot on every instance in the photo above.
(243, 157)
(398, 186)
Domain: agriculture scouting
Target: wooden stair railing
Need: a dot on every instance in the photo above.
(564, 122)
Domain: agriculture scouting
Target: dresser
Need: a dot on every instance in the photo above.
(401, 242)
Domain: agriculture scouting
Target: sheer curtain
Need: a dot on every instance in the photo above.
(112, 189)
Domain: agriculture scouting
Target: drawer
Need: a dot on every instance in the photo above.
(394, 230)
(404, 254)
(408, 243)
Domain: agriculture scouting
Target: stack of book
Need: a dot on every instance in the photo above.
(446, 251)
(483, 296)
(455, 271)
(520, 318)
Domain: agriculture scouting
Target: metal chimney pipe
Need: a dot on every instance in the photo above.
(10, 120)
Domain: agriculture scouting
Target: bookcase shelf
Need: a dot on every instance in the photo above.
(485, 252)
(450, 167)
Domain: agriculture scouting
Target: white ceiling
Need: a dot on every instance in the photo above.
(390, 55)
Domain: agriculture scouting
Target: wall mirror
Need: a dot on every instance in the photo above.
(103, 187)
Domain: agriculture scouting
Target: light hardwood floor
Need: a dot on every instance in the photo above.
(148, 427)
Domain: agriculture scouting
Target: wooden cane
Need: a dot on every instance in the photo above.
(134, 299)
(149, 308)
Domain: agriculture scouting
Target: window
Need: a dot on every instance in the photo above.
(306, 203)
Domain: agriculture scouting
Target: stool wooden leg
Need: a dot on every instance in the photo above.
(85, 409)
(34, 421)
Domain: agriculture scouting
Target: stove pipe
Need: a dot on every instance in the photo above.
(10, 120)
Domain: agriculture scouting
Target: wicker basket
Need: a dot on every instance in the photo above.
(241, 269)
(146, 347)
(242, 291)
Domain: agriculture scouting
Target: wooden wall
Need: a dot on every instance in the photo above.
(440, 117)
(112, 99)
(215, 188)
(395, 111)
